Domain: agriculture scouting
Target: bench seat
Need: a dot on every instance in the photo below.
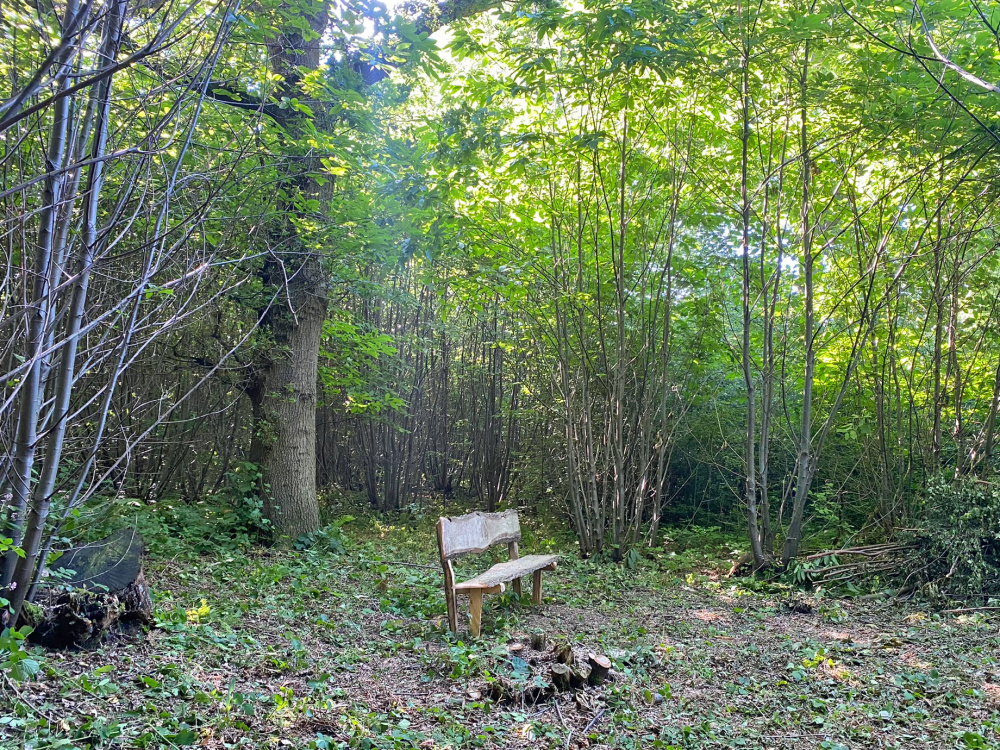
(505, 572)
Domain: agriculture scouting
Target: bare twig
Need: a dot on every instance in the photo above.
(594, 720)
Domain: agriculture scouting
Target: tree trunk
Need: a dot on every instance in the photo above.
(284, 406)
(748, 374)
(805, 461)
(284, 388)
(39, 317)
(44, 489)
(985, 458)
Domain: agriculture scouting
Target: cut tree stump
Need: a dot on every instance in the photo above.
(91, 591)
(799, 606)
(600, 666)
(559, 676)
(564, 654)
(538, 641)
(504, 690)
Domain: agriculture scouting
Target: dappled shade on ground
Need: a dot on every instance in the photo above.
(311, 649)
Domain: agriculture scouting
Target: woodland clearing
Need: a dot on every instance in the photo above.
(341, 645)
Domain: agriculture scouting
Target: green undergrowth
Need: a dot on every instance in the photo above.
(339, 640)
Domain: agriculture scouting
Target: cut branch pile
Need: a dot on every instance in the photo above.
(890, 559)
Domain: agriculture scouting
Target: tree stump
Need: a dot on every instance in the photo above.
(600, 666)
(559, 676)
(578, 677)
(501, 690)
(564, 654)
(89, 592)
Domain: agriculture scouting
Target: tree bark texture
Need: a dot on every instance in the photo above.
(283, 389)
(284, 406)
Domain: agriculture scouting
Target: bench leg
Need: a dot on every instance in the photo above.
(517, 587)
(475, 611)
(451, 599)
(536, 587)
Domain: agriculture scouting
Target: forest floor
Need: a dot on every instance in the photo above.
(341, 645)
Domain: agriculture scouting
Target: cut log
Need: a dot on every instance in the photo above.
(559, 676)
(600, 667)
(538, 641)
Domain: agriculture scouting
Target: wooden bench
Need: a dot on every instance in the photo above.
(476, 533)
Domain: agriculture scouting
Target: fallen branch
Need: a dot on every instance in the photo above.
(594, 720)
(873, 550)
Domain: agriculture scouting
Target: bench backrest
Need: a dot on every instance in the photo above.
(476, 532)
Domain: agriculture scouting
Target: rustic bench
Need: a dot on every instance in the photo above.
(476, 533)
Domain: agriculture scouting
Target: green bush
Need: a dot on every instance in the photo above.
(961, 538)
(330, 539)
(247, 524)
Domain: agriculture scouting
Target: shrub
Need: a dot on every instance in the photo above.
(247, 524)
(961, 538)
